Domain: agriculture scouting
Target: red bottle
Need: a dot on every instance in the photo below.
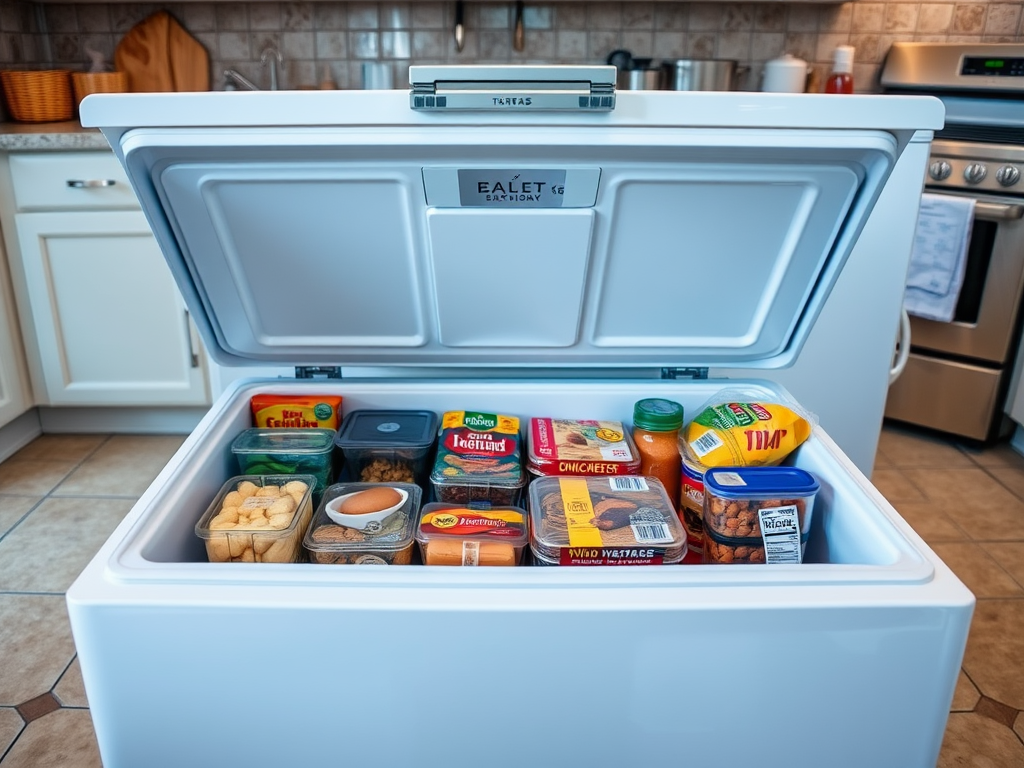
(841, 79)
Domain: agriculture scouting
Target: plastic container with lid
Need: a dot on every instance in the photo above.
(656, 424)
(450, 534)
(757, 514)
(478, 459)
(387, 446)
(580, 447)
(389, 541)
(258, 519)
(603, 521)
(262, 451)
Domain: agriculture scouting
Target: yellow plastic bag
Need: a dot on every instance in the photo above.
(746, 434)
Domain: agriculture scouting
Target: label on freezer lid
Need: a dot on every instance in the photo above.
(780, 531)
(511, 188)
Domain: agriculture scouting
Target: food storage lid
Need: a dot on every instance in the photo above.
(747, 482)
(392, 534)
(580, 447)
(657, 415)
(348, 228)
(626, 520)
(291, 441)
(398, 429)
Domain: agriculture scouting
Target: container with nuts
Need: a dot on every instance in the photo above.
(365, 524)
(258, 519)
(387, 446)
(757, 514)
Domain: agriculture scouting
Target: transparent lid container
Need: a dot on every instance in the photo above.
(258, 519)
(388, 445)
(261, 451)
(580, 447)
(625, 520)
(478, 459)
(451, 534)
(367, 538)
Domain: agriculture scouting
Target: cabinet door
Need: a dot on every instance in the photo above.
(14, 389)
(111, 325)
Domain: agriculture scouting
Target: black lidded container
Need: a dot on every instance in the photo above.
(388, 446)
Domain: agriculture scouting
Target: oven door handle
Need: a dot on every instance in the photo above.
(998, 211)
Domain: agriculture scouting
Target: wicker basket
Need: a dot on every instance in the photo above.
(38, 96)
(97, 82)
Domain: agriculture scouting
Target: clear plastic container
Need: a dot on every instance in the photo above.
(478, 459)
(604, 521)
(385, 541)
(580, 447)
(388, 446)
(232, 527)
(757, 514)
(450, 534)
(261, 451)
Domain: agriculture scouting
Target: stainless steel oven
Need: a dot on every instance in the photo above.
(957, 373)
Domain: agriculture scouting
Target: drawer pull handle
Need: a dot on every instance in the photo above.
(90, 183)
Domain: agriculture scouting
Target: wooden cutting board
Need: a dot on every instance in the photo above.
(159, 55)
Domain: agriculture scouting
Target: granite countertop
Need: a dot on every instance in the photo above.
(49, 136)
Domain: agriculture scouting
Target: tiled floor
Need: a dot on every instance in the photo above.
(62, 495)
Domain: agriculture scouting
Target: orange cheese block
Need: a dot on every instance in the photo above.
(444, 551)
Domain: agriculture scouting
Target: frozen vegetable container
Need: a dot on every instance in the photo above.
(286, 451)
(388, 446)
(661, 238)
(258, 519)
(450, 534)
(387, 541)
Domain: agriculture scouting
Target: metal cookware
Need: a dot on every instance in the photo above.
(701, 74)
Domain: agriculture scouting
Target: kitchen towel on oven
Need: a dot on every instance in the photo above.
(939, 256)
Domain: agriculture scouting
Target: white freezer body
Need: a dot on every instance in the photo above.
(850, 659)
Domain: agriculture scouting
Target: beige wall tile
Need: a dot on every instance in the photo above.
(706, 17)
(769, 17)
(734, 45)
(571, 44)
(601, 42)
(231, 16)
(297, 17)
(935, 17)
(1003, 19)
(737, 17)
(765, 46)
(802, 18)
(604, 16)
(395, 16)
(868, 17)
(199, 17)
(670, 17)
(867, 49)
(901, 17)
(362, 16)
(61, 738)
(968, 18)
(265, 16)
(428, 15)
(974, 740)
(571, 16)
(702, 45)
(34, 630)
(638, 15)
(670, 45)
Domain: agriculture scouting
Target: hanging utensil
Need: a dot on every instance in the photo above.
(518, 32)
(460, 30)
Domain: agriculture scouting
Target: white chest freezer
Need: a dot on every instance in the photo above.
(564, 261)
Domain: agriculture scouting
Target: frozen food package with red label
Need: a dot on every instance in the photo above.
(478, 459)
(296, 411)
(734, 430)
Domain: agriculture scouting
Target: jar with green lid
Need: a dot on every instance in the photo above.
(656, 424)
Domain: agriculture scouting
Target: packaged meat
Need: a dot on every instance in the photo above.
(603, 521)
(459, 535)
(580, 447)
(478, 459)
(388, 446)
(357, 524)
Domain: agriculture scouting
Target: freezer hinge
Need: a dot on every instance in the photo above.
(512, 88)
(318, 372)
(684, 373)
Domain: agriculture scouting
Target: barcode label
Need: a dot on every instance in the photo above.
(628, 483)
(651, 533)
(706, 443)
(471, 553)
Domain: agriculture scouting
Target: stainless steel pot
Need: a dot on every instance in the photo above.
(700, 74)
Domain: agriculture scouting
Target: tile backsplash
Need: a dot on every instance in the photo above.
(331, 40)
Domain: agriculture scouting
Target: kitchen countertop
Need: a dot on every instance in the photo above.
(49, 136)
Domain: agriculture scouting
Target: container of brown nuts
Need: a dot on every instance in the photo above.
(387, 446)
(757, 514)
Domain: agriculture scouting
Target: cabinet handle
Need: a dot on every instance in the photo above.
(90, 183)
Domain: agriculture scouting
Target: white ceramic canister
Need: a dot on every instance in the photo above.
(786, 74)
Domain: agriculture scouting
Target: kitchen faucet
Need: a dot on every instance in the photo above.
(272, 57)
(233, 79)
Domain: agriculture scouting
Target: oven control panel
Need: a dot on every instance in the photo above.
(996, 176)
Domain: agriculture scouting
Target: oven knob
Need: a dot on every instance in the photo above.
(1008, 175)
(940, 170)
(975, 173)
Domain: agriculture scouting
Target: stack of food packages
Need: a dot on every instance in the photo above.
(461, 489)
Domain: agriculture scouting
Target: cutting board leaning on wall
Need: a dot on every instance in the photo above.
(159, 55)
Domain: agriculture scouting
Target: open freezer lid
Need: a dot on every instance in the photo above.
(347, 228)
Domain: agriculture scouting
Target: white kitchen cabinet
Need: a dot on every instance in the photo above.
(104, 321)
(15, 393)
